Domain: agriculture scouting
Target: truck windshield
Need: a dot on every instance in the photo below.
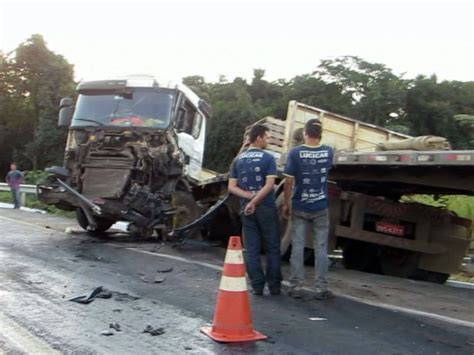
(138, 107)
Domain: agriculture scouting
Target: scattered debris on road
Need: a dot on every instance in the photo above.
(97, 292)
(154, 331)
(115, 326)
(165, 270)
(159, 279)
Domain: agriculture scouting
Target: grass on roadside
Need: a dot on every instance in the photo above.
(32, 202)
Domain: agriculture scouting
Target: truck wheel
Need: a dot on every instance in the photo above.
(359, 255)
(308, 256)
(397, 262)
(430, 276)
(103, 224)
(187, 211)
(285, 231)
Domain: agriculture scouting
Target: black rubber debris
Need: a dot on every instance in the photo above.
(115, 326)
(87, 298)
(97, 292)
(165, 270)
(154, 331)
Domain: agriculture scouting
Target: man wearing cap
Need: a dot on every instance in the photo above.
(306, 172)
(252, 178)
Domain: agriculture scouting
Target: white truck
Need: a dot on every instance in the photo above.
(135, 151)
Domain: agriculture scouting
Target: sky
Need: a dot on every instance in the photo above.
(173, 39)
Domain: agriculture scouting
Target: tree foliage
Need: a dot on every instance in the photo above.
(33, 79)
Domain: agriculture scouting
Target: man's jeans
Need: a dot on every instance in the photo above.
(262, 228)
(16, 196)
(319, 223)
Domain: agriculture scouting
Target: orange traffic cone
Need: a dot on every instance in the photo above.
(232, 316)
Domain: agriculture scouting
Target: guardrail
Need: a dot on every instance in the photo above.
(24, 189)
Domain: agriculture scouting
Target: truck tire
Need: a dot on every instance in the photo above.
(430, 276)
(359, 255)
(103, 224)
(397, 262)
(285, 231)
(187, 211)
(285, 242)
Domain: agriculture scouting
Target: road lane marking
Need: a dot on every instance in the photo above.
(22, 339)
(173, 257)
(412, 311)
(435, 316)
(21, 222)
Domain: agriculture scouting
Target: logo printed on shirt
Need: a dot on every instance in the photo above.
(251, 155)
(314, 154)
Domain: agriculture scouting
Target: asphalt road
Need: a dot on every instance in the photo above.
(41, 267)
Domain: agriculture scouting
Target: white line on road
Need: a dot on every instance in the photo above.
(21, 339)
(21, 222)
(352, 298)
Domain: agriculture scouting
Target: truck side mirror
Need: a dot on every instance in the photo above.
(66, 111)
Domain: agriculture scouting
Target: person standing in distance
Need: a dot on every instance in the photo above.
(252, 178)
(14, 179)
(306, 172)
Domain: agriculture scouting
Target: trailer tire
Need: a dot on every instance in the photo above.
(397, 262)
(285, 231)
(103, 224)
(430, 276)
(359, 255)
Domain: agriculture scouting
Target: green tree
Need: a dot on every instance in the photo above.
(46, 77)
(431, 108)
(375, 90)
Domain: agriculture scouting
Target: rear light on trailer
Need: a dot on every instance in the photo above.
(378, 157)
(425, 157)
(458, 157)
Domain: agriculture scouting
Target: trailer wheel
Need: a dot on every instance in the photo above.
(103, 224)
(359, 255)
(285, 231)
(397, 262)
(430, 276)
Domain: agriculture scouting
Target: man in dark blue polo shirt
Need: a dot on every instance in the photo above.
(252, 178)
(307, 170)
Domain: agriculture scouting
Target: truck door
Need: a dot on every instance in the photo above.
(190, 127)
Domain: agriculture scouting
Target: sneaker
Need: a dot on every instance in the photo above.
(323, 295)
(295, 292)
(257, 292)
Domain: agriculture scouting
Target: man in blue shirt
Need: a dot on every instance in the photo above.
(307, 170)
(252, 178)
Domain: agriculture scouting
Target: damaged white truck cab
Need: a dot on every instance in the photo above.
(134, 152)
